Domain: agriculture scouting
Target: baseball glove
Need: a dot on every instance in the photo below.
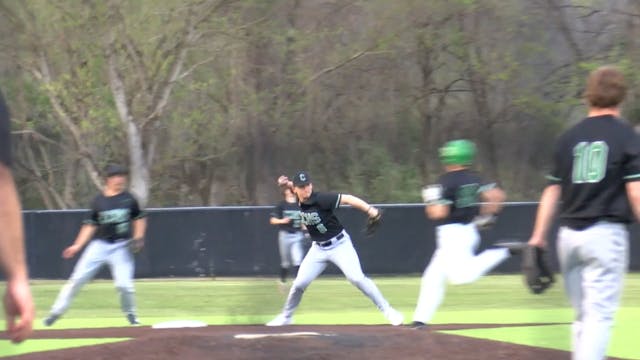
(135, 245)
(536, 268)
(373, 222)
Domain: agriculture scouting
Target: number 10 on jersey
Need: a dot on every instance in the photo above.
(589, 162)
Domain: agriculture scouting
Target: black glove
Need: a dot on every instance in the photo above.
(536, 269)
(373, 222)
(135, 245)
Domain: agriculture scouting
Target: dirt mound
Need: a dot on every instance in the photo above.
(364, 342)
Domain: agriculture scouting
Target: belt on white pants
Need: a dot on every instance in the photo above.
(334, 240)
(114, 241)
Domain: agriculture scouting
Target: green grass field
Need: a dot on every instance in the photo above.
(492, 299)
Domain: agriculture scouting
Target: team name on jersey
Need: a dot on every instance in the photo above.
(312, 218)
(293, 215)
(113, 216)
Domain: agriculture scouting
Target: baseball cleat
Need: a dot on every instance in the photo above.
(418, 325)
(133, 320)
(280, 320)
(49, 320)
(514, 247)
(394, 316)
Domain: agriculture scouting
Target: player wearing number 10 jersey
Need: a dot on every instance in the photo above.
(596, 168)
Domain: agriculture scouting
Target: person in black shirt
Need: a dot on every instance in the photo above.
(454, 205)
(116, 227)
(596, 168)
(286, 215)
(331, 243)
(18, 302)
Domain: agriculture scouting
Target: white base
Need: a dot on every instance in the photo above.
(291, 334)
(177, 324)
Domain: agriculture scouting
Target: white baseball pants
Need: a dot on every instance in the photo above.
(290, 247)
(454, 260)
(593, 263)
(341, 253)
(99, 252)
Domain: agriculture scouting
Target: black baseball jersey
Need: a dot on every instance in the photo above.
(285, 209)
(5, 134)
(317, 215)
(113, 216)
(461, 190)
(592, 162)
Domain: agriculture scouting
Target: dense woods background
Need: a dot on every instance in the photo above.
(209, 101)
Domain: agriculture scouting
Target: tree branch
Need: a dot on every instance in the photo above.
(77, 136)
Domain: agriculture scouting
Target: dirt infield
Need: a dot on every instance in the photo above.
(278, 343)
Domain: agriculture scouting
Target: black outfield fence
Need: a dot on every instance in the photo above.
(238, 241)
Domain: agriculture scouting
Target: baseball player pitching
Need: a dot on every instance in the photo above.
(596, 173)
(286, 215)
(116, 227)
(453, 204)
(331, 243)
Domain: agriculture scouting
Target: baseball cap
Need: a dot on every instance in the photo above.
(113, 170)
(301, 179)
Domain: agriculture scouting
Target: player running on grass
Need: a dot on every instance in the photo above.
(331, 243)
(453, 204)
(114, 229)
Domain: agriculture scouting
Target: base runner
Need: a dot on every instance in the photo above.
(453, 204)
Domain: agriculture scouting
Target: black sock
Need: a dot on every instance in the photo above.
(283, 274)
(295, 270)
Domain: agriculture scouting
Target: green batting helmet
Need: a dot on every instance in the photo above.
(458, 152)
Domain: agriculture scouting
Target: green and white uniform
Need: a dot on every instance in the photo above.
(592, 163)
(457, 240)
(331, 244)
(113, 217)
(290, 235)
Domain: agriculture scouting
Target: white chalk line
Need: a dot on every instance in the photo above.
(289, 334)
